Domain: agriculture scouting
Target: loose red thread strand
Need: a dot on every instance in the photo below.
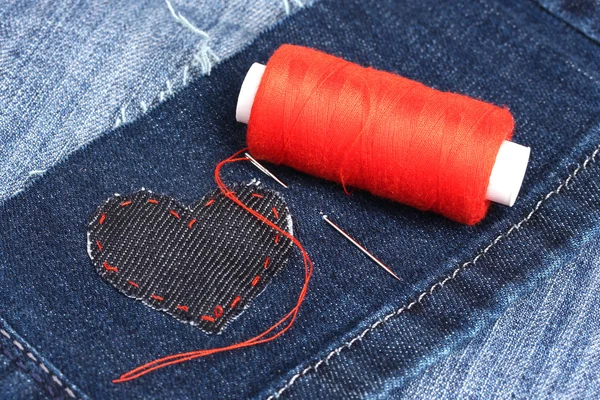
(102, 218)
(183, 308)
(277, 238)
(99, 245)
(275, 213)
(205, 318)
(270, 334)
(126, 203)
(158, 298)
(153, 201)
(260, 196)
(208, 203)
(173, 213)
(192, 222)
(267, 262)
(377, 131)
(255, 280)
(135, 285)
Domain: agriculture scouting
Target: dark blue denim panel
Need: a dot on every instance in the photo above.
(513, 54)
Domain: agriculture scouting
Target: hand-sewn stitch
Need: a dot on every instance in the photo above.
(198, 264)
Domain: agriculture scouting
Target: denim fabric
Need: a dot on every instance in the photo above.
(71, 71)
(360, 333)
(545, 345)
(583, 15)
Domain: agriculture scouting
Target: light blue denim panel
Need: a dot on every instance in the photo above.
(583, 15)
(544, 346)
(70, 71)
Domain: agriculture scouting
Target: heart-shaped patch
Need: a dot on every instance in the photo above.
(203, 265)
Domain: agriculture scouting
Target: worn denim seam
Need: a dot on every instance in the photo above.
(24, 353)
(205, 57)
(566, 22)
(563, 185)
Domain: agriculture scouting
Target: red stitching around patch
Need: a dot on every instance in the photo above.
(110, 268)
(235, 302)
(218, 311)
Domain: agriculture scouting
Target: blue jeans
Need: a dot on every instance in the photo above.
(360, 333)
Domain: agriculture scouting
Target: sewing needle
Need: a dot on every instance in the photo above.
(264, 170)
(360, 247)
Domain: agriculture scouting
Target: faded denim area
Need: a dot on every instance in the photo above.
(70, 71)
(360, 333)
(544, 346)
(583, 15)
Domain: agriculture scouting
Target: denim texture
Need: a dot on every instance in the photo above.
(544, 346)
(583, 15)
(360, 333)
(204, 258)
(70, 71)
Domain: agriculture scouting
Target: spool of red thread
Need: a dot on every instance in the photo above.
(377, 131)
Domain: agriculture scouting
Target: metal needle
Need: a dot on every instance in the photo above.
(360, 247)
(264, 170)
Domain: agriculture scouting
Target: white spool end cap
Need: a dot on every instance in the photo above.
(508, 173)
(248, 92)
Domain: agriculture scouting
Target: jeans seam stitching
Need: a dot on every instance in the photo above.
(23, 352)
(438, 285)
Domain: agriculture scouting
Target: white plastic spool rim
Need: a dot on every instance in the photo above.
(507, 174)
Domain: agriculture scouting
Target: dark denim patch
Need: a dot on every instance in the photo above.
(203, 264)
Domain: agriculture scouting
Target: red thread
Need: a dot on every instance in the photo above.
(99, 245)
(218, 311)
(260, 196)
(277, 238)
(183, 308)
(271, 333)
(126, 203)
(275, 213)
(132, 283)
(155, 297)
(102, 218)
(377, 131)
(267, 262)
(192, 222)
(255, 280)
(208, 203)
(110, 267)
(173, 213)
(153, 201)
(235, 302)
(204, 317)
